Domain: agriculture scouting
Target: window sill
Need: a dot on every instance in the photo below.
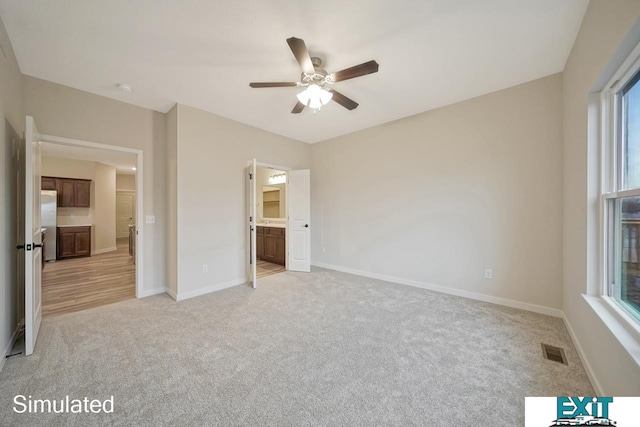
(624, 328)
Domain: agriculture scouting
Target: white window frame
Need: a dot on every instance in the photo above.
(611, 176)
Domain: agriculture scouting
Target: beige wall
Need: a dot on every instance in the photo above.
(67, 168)
(125, 182)
(11, 131)
(604, 28)
(62, 111)
(438, 197)
(212, 154)
(102, 212)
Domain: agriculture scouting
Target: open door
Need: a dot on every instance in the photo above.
(299, 231)
(251, 194)
(33, 237)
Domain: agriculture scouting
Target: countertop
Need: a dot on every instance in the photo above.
(273, 225)
(76, 225)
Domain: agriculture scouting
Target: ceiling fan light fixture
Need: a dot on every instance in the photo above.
(325, 96)
(303, 97)
(315, 103)
(314, 96)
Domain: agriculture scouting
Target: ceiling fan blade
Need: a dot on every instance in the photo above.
(347, 103)
(273, 84)
(356, 71)
(298, 108)
(301, 53)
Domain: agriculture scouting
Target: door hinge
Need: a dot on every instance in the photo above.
(250, 176)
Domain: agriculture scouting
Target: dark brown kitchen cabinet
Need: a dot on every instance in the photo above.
(72, 193)
(48, 183)
(74, 242)
(65, 192)
(81, 193)
(270, 242)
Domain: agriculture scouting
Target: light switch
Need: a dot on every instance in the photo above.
(151, 219)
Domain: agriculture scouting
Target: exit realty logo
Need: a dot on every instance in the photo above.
(581, 411)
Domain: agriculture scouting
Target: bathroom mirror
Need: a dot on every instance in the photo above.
(271, 202)
(272, 194)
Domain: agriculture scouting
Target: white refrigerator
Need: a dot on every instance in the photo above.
(49, 211)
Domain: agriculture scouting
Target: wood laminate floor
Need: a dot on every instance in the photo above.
(80, 283)
(265, 268)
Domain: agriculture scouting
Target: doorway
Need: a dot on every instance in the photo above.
(278, 219)
(96, 247)
(271, 205)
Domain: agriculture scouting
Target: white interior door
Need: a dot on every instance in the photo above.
(33, 237)
(251, 193)
(299, 230)
(125, 213)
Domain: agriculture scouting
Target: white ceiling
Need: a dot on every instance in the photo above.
(204, 53)
(123, 162)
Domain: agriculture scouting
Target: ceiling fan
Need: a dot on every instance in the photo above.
(317, 81)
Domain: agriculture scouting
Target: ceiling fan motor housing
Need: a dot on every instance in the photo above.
(320, 77)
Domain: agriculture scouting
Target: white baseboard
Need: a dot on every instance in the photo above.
(105, 250)
(12, 341)
(149, 292)
(218, 287)
(583, 358)
(446, 290)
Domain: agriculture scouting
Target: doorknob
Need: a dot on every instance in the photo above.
(306, 226)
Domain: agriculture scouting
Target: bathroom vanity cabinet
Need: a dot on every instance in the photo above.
(270, 244)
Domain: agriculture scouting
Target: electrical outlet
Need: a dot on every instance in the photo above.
(324, 250)
(205, 268)
(150, 219)
(488, 273)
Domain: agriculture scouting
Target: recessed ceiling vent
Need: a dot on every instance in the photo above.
(555, 354)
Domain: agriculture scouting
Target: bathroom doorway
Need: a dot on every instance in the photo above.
(271, 221)
(282, 242)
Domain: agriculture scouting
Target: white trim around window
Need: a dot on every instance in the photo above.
(613, 187)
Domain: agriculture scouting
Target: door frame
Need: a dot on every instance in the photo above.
(139, 194)
(286, 222)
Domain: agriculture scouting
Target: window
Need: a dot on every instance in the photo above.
(621, 189)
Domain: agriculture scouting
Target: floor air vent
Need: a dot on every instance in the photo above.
(555, 354)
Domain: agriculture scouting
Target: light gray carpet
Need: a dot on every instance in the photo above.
(319, 349)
